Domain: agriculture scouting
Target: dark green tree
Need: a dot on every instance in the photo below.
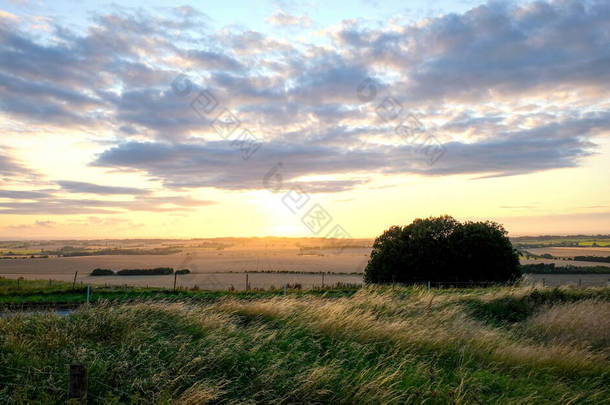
(443, 249)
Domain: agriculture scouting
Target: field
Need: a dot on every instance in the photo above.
(214, 264)
(223, 263)
(558, 251)
(369, 345)
(574, 240)
(555, 280)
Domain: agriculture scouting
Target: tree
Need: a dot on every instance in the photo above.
(443, 249)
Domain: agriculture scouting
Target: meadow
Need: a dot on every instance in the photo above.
(386, 344)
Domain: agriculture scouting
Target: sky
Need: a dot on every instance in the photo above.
(306, 118)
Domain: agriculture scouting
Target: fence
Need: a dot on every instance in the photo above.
(240, 281)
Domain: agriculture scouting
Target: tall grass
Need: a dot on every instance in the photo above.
(381, 345)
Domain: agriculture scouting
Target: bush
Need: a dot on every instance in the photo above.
(159, 271)
(183, 271)
(443, 249)
(102, 272)
(550, 268)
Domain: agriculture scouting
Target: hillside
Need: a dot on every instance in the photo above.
(370, 345)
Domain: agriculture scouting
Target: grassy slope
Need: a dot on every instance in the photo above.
(374, 345)
(26, 292)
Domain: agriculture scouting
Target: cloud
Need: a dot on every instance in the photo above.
(45, 224)
(89, 188)
(493, 48)
(63, 206)
(220, 164)
(11, 170)
(38, 225)
(475, 79)
(283, 19)
(51, 201)
(23, 194)
(8, 16)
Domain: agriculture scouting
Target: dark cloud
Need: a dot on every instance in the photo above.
(214, 61)
(63, 206)
(80, 187)
(494, 47)
(24, 195)
(220, 164)
(302, 100)
(12, 170)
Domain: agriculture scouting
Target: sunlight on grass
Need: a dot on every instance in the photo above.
(381, 345)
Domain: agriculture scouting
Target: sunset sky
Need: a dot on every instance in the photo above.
(302, 118)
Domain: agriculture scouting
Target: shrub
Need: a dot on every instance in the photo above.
(102, 272)
(159, 271)
(183, 271)
(550, 268)
(443, 249)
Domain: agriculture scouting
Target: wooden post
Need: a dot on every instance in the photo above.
(88, 292)
(543, 283)
(74, 282)
(247, 286)
(18, 280)
(579, 282)
(428, 285)
(284, 289)
(175, 277)
(78, 383)
(322, 280)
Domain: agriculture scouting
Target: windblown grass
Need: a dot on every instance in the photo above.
(381, 345)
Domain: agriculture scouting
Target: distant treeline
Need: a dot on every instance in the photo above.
(599, 259)
(106, 252)
(550, 268)
(158, 271)
(555, 237)
(214, 245)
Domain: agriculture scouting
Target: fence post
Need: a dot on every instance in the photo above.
(580, 282)
(88, 292)
(78, 383)
(428, 285)
(247, 287)
(175, 277)
(18, 280)
(322, 280)
(284, 289)
(543, 282)
(74, 282)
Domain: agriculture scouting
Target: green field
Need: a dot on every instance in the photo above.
(369, 345)
(547, 241)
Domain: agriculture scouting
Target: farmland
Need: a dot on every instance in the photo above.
(371, 345)
(566, 252)
(214, 264)
(223, 263)
(571, 241)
